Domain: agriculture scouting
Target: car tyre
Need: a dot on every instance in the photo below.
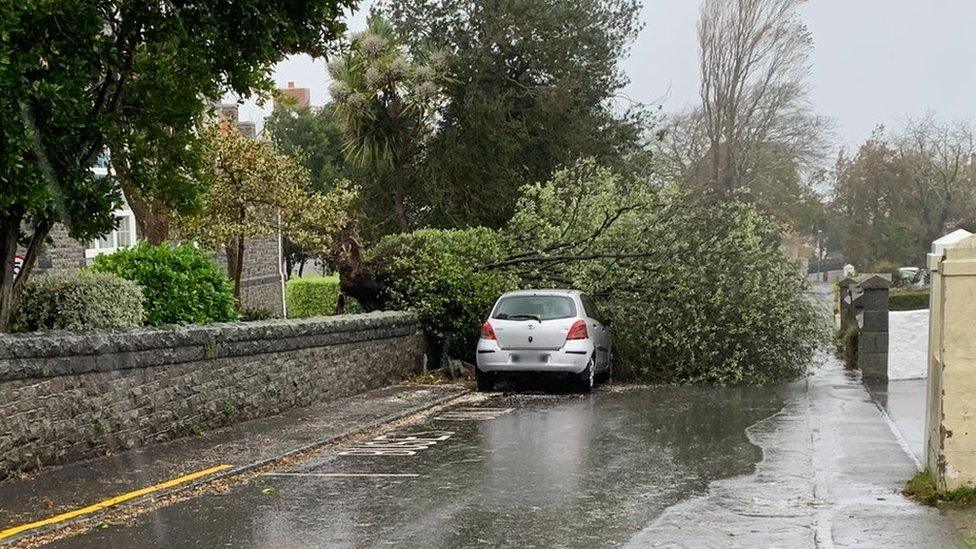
(586, 378)
(486, 380)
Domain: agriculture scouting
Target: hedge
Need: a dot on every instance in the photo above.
(180, 284)
(79, 301)
(312, 296)
(911, 300)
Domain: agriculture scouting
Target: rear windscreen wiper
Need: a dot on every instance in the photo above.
(536, 318)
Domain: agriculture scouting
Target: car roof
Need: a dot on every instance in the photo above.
(542, 292)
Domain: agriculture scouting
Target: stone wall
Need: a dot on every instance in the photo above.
(63, 253)
(65, 397)
(261, 281)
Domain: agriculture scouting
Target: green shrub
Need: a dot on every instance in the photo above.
(312, 296)
(251, 314)
(180, 284)
(79, 301)
(316, 296)
(886, 267)
(847, 342)
(908, 299)
(438, 274)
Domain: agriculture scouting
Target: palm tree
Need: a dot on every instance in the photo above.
(385, 98)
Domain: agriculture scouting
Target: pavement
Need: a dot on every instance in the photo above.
(831, 476)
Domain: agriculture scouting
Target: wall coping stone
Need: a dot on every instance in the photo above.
(57, 353)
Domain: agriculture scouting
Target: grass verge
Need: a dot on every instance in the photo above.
(924, 489)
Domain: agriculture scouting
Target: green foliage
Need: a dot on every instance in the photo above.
(908, 299)
(312, 296)
(385, 98)
(900, 191)
(180, 284)
(78, 302)
(252, 314)
(439, 275)
(846, 342)
(252, 190)
(77, 76)
(313, 138)
(924, 489)
(534, 87)
(696, 289)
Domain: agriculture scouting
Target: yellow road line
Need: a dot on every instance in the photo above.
(112, 501)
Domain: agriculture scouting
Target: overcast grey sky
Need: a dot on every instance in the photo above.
(873, 61)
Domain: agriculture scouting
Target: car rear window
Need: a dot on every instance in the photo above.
(539, 307)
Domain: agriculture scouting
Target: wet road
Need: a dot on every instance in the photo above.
(521, 470)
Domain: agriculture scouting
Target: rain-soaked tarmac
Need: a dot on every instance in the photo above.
(810, 464)
(533, 470)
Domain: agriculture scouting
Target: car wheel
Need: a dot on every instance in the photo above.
(585, 379)
(486, 380)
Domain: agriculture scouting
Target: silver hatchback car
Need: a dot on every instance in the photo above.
(544, 331)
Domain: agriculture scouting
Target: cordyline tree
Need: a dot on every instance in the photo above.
(80, 76)
(385, 97)
(251, 191)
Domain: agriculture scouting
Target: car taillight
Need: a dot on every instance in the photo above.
(578, 331)
(487, 332)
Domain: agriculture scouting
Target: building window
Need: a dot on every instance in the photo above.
(122, 237)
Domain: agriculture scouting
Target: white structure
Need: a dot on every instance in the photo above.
(942, 243)
(908, 344)
(125, 233)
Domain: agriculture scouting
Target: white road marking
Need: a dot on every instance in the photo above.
(472, 414)
(397, 444)
(341, 475)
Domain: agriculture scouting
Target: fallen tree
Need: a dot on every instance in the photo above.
(696, 289)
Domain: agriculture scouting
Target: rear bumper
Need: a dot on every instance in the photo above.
(572, 358)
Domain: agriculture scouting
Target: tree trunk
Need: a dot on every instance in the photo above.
(399, 206)
(355, 277)
(235, 265)
(9, 229)
(301, 268)
(11, 286)
(153, 217)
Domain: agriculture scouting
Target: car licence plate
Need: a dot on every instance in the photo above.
(543, 358)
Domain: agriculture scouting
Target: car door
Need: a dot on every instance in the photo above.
(601, 338)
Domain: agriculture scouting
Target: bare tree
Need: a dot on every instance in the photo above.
(754, 69)
(940, 159)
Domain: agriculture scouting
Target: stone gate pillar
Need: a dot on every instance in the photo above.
(950, 438)
(845, 303)
(872, 343)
